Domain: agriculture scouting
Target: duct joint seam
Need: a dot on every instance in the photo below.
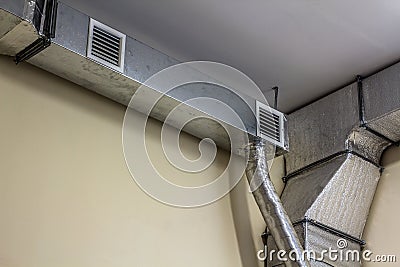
(363, 123)
(322, 226)
(31, 50)
(313, 165)
(43, 15)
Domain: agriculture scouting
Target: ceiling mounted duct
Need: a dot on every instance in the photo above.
(114, 65)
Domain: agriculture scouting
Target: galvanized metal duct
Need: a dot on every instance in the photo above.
(333, 166)
(270, 204)
(27, 27)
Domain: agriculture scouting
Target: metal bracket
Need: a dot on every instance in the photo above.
(48, 32)
(322, 226)
(332, 230)
(286, 178)
(49, 24)
(361, 99)
(276, 90)
(33, 49)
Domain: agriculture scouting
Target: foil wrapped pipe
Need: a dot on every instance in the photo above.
(338, 194)
(268, 201)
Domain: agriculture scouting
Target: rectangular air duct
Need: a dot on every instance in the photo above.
(114, 65)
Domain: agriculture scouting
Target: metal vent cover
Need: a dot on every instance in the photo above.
(270, 124)
(106, 45)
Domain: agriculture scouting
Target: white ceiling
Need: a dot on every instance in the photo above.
(306, 47)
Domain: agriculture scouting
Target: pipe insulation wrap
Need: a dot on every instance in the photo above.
(334, 161)
(324, 193)
(269, 202)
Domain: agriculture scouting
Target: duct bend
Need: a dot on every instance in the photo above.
(269, 203)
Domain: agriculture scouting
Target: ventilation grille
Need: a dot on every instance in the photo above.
(270, 124)
(106, 45)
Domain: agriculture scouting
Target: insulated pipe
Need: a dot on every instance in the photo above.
(270, 205)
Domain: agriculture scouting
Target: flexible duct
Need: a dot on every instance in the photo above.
(269, 203)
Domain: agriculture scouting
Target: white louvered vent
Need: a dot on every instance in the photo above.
(106, 45)
(270, 124)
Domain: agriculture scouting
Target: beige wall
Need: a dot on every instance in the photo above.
(67, 198)
(382, 230)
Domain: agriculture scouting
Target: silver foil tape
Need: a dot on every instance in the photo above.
(29, 10)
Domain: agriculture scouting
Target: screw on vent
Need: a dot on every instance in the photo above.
(106, 45)
(270, 124)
